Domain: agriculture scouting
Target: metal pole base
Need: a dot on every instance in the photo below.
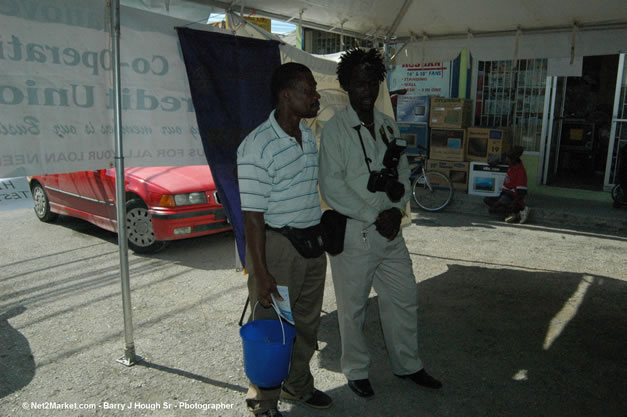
(129, 358)
(128, 361)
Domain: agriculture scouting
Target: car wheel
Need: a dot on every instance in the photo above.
(42, 204)
(139, 231)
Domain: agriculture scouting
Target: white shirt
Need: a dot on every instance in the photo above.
(343, 170)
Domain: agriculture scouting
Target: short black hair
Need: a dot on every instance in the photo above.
(515, 153)
(352, 58)
(285, 76)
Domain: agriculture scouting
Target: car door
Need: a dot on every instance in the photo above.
(94, 189)
(61, 190)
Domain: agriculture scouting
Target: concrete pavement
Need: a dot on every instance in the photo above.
(516, 320)
(572, 213)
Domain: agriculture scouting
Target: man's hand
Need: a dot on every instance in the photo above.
(266, 287)
(256, 247)
(388, 223)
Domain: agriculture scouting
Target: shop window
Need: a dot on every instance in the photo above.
(323, 43)
(511, 94)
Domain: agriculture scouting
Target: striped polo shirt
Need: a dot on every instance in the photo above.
(278, 177)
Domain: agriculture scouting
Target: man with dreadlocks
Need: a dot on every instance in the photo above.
(365, 176)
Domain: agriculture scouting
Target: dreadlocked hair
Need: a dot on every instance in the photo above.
(371, 59)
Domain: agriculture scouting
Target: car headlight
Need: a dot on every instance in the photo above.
(191, 198)
(183, 199)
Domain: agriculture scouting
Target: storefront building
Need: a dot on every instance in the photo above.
(562, 94)
(575, 123)
(569, 113)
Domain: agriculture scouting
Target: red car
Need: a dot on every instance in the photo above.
(162, 203)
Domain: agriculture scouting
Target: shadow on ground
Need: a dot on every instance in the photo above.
(504, 343)
(219, 250)
(17, 365)
(190, 375)
(452, 219)
(85, 229)
(220, 247)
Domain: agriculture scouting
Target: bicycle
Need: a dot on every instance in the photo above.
(618, 195)
(432, 190)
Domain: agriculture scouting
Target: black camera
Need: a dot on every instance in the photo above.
(393, 154)
(386, 180)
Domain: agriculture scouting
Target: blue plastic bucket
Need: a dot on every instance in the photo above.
(267, 351)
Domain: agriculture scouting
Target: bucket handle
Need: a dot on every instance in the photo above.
(276, 309)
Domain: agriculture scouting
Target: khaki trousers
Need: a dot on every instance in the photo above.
(370, 260)
(305, 280)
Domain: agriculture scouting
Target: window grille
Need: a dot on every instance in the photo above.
(512, 95)
(323, 43)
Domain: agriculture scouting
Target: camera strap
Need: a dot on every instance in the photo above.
(363, 147)
(384, 137)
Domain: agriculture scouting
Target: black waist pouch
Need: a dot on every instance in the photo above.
(333, 230)
(308, 242)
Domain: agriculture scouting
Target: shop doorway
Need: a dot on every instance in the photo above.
(579, 134)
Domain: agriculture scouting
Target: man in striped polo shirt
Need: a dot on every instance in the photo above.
(278, 179)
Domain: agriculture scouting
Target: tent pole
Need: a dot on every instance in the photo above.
(129, 357)
(268, 36)
(399, 18)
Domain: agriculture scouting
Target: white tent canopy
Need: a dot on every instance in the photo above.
(437, 18)
(439, 29)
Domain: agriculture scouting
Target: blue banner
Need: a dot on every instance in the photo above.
(229, 78)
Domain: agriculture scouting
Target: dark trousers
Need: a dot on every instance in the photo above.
(505, 204)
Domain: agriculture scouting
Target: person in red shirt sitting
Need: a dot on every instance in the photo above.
(511, 202)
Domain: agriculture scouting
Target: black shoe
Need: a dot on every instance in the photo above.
(361, 387)
(423, 379)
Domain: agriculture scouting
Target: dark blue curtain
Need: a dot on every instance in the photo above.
(229, 78)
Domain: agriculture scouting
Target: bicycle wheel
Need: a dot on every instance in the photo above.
(618, 195)
(433, 192)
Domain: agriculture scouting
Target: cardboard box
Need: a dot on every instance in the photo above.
(487, 144)
(412, 109)
(486, 180)
(454, 113)
(447, 144)
(417, 137)
(457, 172)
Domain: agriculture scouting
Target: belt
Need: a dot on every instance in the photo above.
(287, 228)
